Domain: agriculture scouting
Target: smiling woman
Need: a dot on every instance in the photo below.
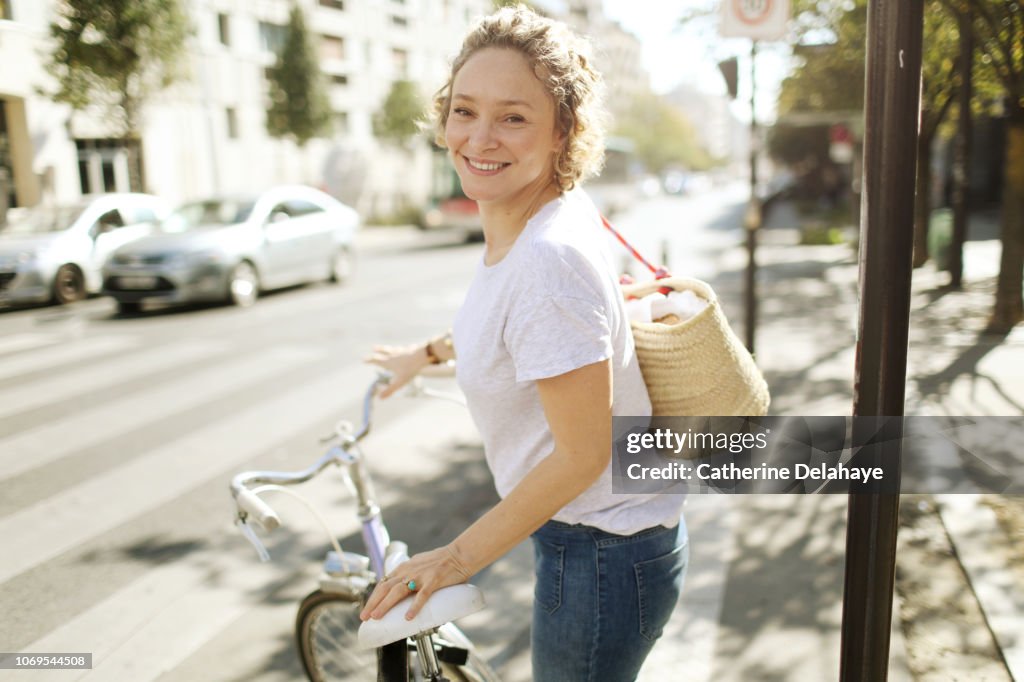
(545, 357)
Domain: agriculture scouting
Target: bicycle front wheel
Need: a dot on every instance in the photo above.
(327, 628)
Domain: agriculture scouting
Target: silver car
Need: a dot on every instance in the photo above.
(231, 248)
(57, 252)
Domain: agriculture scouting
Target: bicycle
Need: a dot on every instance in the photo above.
(333, 643)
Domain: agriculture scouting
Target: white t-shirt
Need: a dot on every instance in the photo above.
(550, 306)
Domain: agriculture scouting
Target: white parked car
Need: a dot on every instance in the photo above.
(57, 252)
(232, 247)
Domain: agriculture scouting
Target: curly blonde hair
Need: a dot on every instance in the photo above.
(561, 60)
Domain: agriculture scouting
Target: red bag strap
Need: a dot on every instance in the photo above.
(659, 272)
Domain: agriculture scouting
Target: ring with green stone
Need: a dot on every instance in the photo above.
(411, 585)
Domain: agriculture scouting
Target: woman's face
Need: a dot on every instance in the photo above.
(501, 128)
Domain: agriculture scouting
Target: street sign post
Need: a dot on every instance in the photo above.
(757, 20)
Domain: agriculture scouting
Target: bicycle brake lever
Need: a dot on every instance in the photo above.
(251, 536)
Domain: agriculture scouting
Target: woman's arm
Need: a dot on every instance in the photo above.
(578, 408)
(405, 362)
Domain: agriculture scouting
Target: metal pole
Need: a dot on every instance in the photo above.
(753, 218)
(892, 99)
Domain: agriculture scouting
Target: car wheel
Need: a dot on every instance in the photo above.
(68, 285)
(342, 265)
(243, 285)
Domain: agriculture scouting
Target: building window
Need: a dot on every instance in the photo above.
(223, 29)
(232, 120)
(341, 122)
(399, 21)
(339, 79)
(5, 10)
(332, 47)
(272, 37)
(333, 4)
(109, 165)
(400, 61)
(8, 195)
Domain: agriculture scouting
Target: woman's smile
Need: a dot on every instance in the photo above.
(484, 167)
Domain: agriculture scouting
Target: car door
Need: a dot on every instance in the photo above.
(313, 237)
(281, 247)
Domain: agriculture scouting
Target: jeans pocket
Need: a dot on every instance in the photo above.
(658, 583)
(550, 564)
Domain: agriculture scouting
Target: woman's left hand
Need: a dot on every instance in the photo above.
(430, 570)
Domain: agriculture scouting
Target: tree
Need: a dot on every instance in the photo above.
(663, 135)
(299, 107)
(117, 54)
(940, 82)
(999, 36)
(398, 118)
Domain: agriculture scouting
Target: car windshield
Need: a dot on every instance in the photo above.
(210, 213)
(43, 219)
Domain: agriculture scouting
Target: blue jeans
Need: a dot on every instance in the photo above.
(602, 600)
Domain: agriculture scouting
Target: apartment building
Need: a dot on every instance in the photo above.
(207, 134)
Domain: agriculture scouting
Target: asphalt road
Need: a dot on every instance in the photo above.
(119, 435)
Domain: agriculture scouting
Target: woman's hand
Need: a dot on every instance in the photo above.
(430, 570)
(404, 363)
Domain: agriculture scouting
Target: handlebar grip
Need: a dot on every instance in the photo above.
(251, 504)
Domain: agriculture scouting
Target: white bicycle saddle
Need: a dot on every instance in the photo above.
(445, 605)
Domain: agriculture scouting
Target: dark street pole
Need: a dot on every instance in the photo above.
(892, 100)
(752, 220)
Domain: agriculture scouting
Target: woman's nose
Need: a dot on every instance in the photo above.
(482, 135)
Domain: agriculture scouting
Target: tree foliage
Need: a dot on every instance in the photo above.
(663, 136)
(830, 75)
(399, 116)
(117, 54)
(299, 107)
(998, 27)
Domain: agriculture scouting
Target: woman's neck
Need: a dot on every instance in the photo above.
(504, 221)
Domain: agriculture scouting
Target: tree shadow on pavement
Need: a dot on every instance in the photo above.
(781, 613)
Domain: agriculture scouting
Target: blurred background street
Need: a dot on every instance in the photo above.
(211, 210)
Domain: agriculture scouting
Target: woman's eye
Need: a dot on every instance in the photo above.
(515, 118)
(459, 111)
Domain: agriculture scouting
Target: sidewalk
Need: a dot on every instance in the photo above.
(781, 612)
(763, 594)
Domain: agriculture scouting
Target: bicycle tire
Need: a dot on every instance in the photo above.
(326, 629)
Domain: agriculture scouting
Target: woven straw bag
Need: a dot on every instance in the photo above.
(697, 367)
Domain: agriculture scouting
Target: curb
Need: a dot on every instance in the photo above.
(972, 526)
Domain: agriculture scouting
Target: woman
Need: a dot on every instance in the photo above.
(545, 358)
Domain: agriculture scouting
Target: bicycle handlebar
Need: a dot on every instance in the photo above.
(250, 503)
(344, 452)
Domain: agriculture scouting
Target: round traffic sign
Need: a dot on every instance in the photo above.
(752, 12)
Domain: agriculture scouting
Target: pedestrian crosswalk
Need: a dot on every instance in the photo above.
(84, 380)
(65, 353)
(260, 398)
